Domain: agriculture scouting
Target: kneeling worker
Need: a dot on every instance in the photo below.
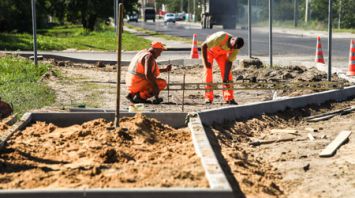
(142, 76)
(223, 48)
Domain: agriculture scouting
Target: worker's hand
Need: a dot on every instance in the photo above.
(208, 65)
(168, 68)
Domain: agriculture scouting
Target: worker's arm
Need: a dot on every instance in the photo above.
(166, 69)
(232, 57)
(227, 69)
(204, 56)
(149, 74)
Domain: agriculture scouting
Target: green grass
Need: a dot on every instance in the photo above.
(157, 34)
(19, 86)
(72, 37)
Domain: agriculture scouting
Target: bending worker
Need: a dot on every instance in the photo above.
(223, 48)
(142, 76)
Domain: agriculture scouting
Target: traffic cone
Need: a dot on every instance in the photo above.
(319, 52)
(194, 48)
(351, 71)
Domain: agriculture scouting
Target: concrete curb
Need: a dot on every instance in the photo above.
(131, 193)
(209, 117)
(203, 148)
(185, 62)
(63, 119)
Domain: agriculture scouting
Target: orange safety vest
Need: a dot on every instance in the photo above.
(218, 50)
(137, 69)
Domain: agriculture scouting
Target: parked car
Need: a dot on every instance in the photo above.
(169, 17)
(149, 14)
(133, 16)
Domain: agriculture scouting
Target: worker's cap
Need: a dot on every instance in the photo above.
(237, 42)
(158, 45)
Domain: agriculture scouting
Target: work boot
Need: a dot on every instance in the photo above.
(157, 100)
(231, 102)
(130, 98)
(138, 99)
(207, 101)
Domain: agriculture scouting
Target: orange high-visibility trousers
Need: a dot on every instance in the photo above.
(144, 87)
(221, 61)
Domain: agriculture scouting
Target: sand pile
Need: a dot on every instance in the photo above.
(141, 153)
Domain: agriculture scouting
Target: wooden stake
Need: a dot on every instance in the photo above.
(183, 92)
(119, 47)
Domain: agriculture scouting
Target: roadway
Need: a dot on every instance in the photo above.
(287, 44)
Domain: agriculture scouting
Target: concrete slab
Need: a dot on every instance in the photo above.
(233, 113)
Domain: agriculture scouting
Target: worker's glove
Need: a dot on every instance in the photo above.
(168, 68)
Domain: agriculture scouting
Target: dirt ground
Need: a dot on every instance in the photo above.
(93, 86)
(141, 153)
(290, 168)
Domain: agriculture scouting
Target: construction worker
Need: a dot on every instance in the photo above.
(223, 48)
(142, 76)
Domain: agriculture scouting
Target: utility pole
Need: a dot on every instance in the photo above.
(194, 11)
(339, 18)
(270, 32)
(295, 13)
(306, 13)
(188, 10)
(330, 31)
(249, 29)
(115, 8)
(34, 30)
(181, 5)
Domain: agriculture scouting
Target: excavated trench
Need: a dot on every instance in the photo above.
(291, 166)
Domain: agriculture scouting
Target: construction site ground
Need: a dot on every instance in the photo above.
(142, 152)
(288, 168)
(95, 87)
(280, 169)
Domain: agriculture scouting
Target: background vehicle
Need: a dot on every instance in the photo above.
(149, 14)
(169, 17)
(219, 12)
(133, 16)
(180, 16)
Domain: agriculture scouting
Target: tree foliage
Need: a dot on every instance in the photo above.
(15, 15)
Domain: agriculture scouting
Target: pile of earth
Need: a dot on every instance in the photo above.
(142, 152)
(287, 74)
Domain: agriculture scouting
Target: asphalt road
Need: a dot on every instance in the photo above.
(283, 43)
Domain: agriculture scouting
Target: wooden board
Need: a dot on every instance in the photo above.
(335, 144)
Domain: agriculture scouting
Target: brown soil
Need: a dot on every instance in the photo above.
(292, 74)
(141, 153)
(293, 168)
(95, 86)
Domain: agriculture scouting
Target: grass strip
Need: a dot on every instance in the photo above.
(19, 84)
(72, 37)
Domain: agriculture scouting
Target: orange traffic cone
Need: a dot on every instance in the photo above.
(319, 52)
(351, 71)
(194, 49)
